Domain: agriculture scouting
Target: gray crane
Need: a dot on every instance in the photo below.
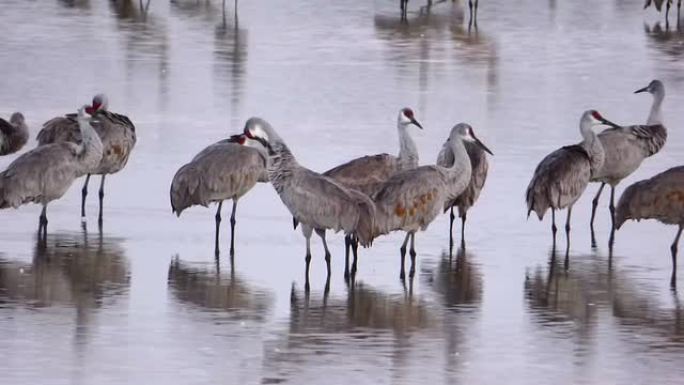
(116, 132)
(227, 169)
(368, 173)
(626, 147)
(480, 167)
(410, 200)
(658, 4)
(660, 197)
(316, 201)
(46, 172)
(562, 176)
(13, 134)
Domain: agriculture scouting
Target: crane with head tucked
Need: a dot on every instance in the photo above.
(13, 134)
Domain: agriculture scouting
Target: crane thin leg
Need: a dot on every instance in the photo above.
(84, 194)
(355, 250)
(553, 224)
(673, 249)
(307, 231)
(567, 236)
(347, 247)
(594, 205)
(43, 221)
(612, 216)
(463, 222)
(412, 272)
(101, 195)
(218, 225)
(451, 229)
(321, 233)
(402, 250)
(232, 228)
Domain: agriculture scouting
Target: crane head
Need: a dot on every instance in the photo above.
(654, 87)
(259, 130)
(100, 102)
(594, 118)
(407, 117)
(464, 131)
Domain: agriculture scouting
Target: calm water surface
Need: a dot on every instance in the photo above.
(144, 301)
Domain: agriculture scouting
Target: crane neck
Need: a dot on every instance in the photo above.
(593, 146)
(408, 151)
(656, 114)
(459, 173)
(92, 149)
(280, 165)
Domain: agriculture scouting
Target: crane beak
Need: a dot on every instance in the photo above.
(264, 143)
(645, 89)
(415, 123)
(482, 145)
(609, 123)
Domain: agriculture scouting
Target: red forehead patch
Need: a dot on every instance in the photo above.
(408, 112)
(596, 115)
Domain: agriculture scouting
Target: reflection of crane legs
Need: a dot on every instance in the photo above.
(473, 14)
(402, 6)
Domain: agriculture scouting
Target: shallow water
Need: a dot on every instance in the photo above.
(144, 300)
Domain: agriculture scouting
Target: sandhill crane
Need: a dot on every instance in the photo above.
(368, 173)
(561, 177)
(46, 172)
(227, 169)
(410, 200)
(13, 134)
(626, 147)
(660, 197)
(116, 132)
(480, 166)
(659, 6)
(317, 202)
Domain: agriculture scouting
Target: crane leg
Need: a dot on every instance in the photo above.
(567, 235)
(612, 216)
(347, 247)
(306, 230)
(673, 249)
(355, 249)
(101, 196)
(84, 194)
(667, 13)
(594, 205)
(321, 233)
(463, 222)
(553, 224)
(43, 221)
(402, 250)
(218, 225)
(412, 272)
(451, 229)
(232, 228)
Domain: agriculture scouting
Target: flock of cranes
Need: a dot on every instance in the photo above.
(364, 198)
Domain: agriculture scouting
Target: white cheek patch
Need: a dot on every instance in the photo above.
(260, 133)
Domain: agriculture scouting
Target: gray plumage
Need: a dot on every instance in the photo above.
(367, 174)
(225, 170)
(410, 200)
(317, 202)
(562, 176)
(46, 172)
(116, 132)
(627, 147)
(480, 167)
(13, 134)
(660, 197)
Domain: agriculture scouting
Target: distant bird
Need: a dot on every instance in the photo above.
(480, 167)
(561, 177)
(660, 197)
(659, 6)
(316, 201)
(626, 147)
(46, 172)
(13, 134)
(227, 169)
(116, 131)
(410, 200)
(368, 173)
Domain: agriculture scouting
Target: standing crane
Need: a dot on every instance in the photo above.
(368, 173)
(316, 201)
(410, 200)
(116, 132)
(562, 176)
(626, 147)
(227, 169)
(480, 167)
(45, 173)
(13, 134)
(660, 197)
